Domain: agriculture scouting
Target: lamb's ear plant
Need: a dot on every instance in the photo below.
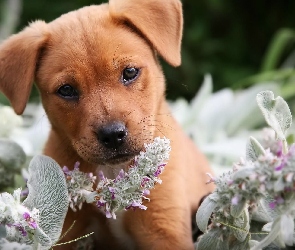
(253, 206)
(37, 222)
(12, 157)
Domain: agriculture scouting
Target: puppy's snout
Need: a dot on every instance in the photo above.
(112, 135)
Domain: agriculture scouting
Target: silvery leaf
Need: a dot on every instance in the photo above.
(273, 234)
(237, 209)
(279, 185)
(204, 212)
(7, 245)
(48, 193)
(276, 112)
(243, 173)
(287, 229)
(262, 212)
(12, 156)
(213, 240)
(242, 223)
(253, 150)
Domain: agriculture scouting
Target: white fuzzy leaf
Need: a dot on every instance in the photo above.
(253, 150)
(48, 193)
(276, 112)
(287, 229)
(204, 212)
(274, 232)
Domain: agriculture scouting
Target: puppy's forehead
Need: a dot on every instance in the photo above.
(90, 32)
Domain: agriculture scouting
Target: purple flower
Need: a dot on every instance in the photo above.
(278, 201)
(112, 190)
(120, 176)
(159, 170)
(135, 204)
(77, 165)
(101, 175)
(279, 153)
(146, 192)
(108, 214)
(145, 179)
(66, 170)
(20, 228)
(272, 205)
(235, 200)
(32, 223)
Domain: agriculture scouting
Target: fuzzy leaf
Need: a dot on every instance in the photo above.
(262, 213)
(275, 230)
(48, 193)
(12, 156)
(243, 223)
(212, 240)
(204, 212)
(243, 173)
(276, 112)
(253, 150)
(237, 210)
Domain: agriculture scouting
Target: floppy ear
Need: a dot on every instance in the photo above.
(18, 59)
(159, 21)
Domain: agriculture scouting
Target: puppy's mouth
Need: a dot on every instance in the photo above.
(119, 158)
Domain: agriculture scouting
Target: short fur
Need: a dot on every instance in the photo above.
(88, 49)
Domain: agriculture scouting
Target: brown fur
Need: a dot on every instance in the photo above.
(88, 49)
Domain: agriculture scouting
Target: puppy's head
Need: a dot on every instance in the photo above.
(97, 72)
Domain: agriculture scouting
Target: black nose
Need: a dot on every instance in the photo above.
(112, 135)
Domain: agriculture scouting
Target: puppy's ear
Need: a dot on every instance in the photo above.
(159, 21)
(18, 59)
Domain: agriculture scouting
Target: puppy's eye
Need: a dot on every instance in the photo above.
(129, 75)
(68, 92)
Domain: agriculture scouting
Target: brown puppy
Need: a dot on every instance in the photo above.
(104, 93)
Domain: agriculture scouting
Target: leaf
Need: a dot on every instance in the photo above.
(243, 173)
(243, 223)
(204, 212)
(253, 150)
(12, 156)
(275, 230)
(287, 229)
(262, 212)
(213, 240)
(276, 112)
(237, 210)
(47, 192)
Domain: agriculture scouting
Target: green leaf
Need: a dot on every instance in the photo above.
(254, 150)
(276, 112)
(47, 192)
(204, 212)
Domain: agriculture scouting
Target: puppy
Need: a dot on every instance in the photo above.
(104, 93)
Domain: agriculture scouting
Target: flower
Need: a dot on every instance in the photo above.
(128, 190)
(80, 185)
(15, 215)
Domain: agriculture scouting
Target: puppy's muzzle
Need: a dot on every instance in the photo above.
(112, 135)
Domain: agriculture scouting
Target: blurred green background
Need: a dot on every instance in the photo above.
(239, 42)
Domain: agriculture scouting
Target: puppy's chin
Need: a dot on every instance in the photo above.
(118, 159)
